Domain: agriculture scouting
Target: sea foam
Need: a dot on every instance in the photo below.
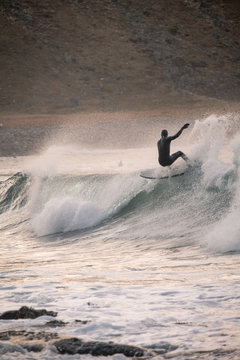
(215, 141)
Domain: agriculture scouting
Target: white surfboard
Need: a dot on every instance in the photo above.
(162, 173)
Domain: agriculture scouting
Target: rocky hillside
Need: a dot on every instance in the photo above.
(111, 55)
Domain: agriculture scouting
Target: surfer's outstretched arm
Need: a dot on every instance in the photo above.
(179, 132)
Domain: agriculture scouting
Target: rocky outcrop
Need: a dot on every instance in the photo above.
(74, 346)
(25, 313)
(37, 341)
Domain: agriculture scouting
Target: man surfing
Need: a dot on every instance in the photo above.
(164, 157)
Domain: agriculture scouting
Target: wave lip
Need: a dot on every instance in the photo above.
(65, 204)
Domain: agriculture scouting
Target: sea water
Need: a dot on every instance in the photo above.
(153, 263)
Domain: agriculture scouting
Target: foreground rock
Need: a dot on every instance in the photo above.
(74, 346)
(37, 341)
(25, 313)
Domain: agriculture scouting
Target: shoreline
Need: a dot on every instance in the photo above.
(15, 120)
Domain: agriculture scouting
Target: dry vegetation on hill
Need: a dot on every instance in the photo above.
(112, 55)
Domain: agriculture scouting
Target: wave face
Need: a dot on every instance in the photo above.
(13, 193)
(202, 205)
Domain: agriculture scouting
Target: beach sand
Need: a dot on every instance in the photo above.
(15, 120)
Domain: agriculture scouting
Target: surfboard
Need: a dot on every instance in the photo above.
(159, 173)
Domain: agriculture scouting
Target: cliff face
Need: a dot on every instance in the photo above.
(81, 55)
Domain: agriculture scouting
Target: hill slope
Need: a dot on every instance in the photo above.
(110, 55)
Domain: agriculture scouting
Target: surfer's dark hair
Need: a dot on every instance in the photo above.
(164, 133)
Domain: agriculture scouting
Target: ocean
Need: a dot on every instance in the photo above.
(151, 263)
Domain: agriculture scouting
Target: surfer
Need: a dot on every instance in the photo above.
(164, 157)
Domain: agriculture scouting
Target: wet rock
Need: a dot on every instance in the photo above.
(83, 322)
(25, 313)
(76, 346)
(4, 336)
(33, 347)
(28, 335)
(55, 323)
(6, 348)
(36, 342)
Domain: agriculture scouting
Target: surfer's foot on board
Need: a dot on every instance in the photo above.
(185, 158)
(192, 163)
(189, 162)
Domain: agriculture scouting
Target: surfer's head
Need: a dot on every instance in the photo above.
(164, 133)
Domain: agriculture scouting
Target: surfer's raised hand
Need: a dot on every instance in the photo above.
(185, 126)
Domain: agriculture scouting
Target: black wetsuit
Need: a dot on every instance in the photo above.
(164, 157)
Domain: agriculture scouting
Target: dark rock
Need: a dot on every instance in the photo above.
(10, 348)
(83, 322)
(4, 336)
(76, 346)
(33, 347)
(25, 313)
(35, 342)
(28, 335)
(55, 323)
